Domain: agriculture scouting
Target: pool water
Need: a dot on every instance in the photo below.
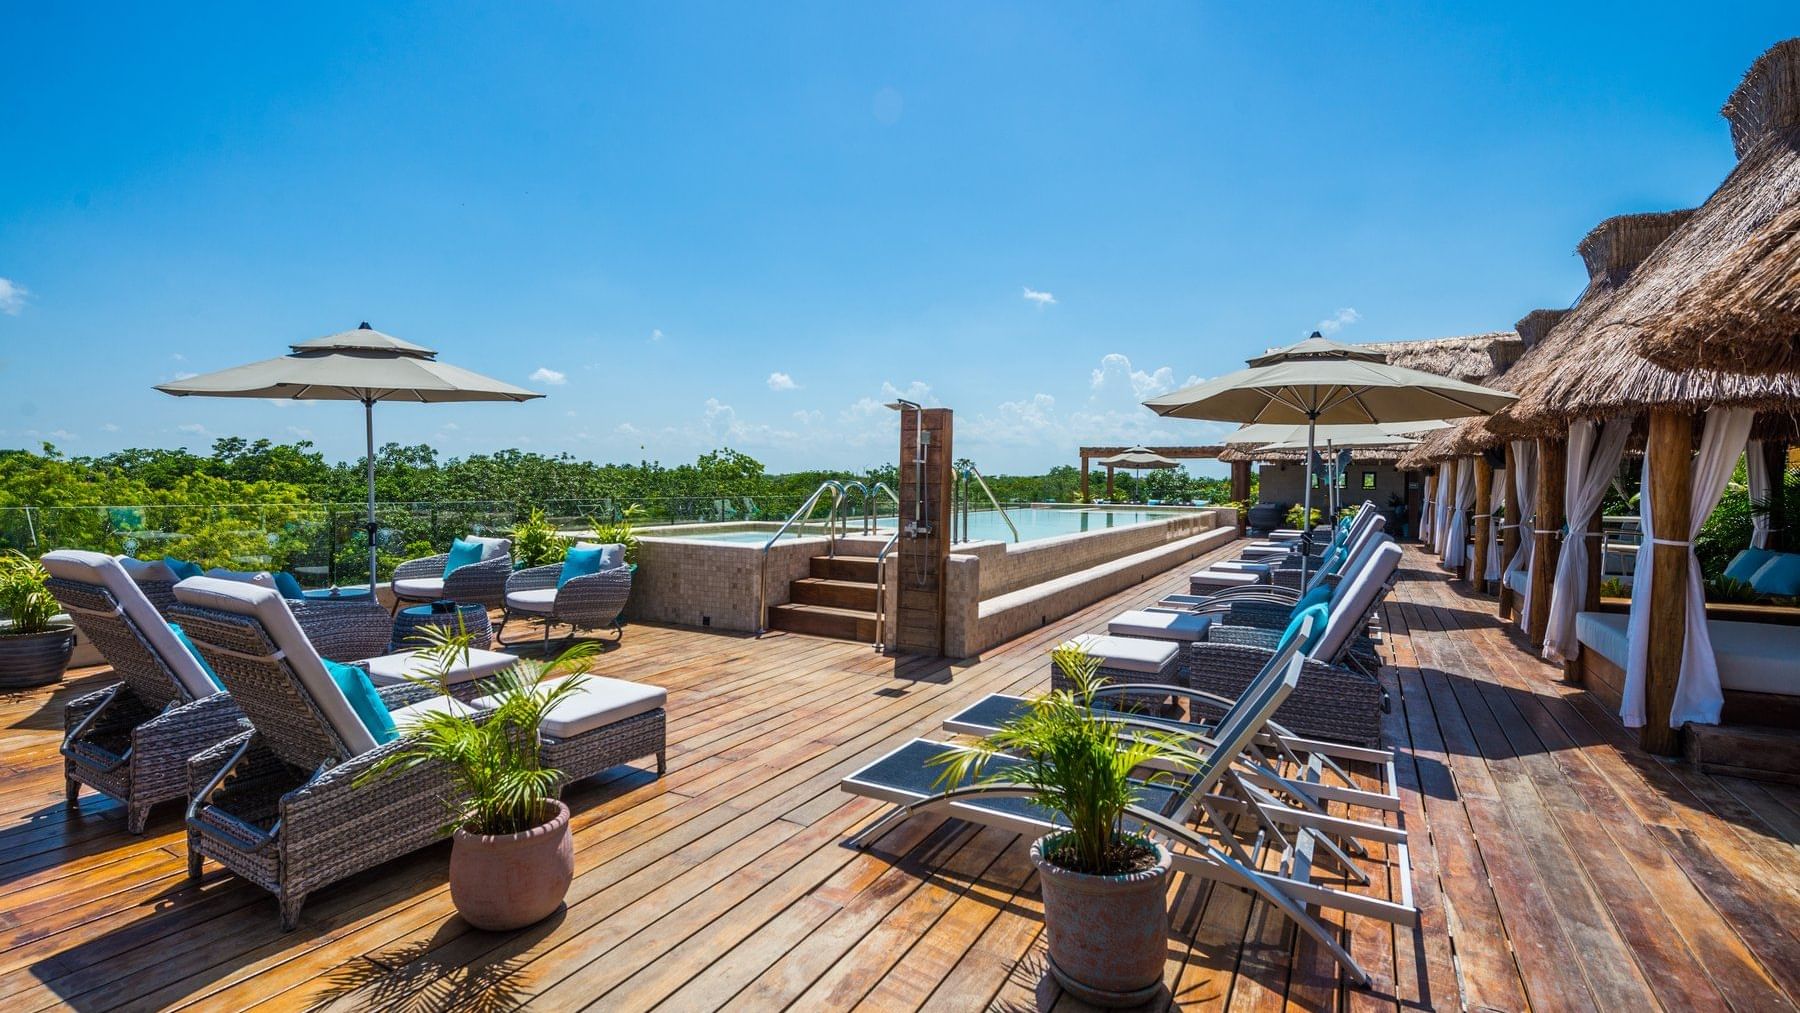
(984, 525)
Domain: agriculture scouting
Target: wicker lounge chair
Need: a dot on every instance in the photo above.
(421, 580)
(590, 602)
(131, 741)
(1274, 865)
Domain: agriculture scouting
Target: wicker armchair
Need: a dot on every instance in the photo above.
(130, 741)
(280, 805)
(590, 602)
(422, 580)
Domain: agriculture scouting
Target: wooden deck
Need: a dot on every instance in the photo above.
(1556, 866)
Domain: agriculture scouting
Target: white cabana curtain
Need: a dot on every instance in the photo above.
(1697, 694)
(1456, 538)
(1525, 484)
(1760, 487)
(1496, 566)
(1593, 458)
(1427, 508)
(1446, 491)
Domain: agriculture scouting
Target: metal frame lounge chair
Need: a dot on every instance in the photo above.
(484, 582)
(1273, 861)
(589, 602)
(131, 741)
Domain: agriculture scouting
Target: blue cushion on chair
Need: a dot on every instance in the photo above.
(1780, 576)
(288, 586)
(579, 563)
(461, 554)
(1744, 565)
(181, 635)
(180, 569)
(1320, 595)
(363, 700)
(1319, 613)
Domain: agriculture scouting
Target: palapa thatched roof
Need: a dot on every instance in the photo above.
(1532, 327)
(1596, 369)
(1255, 455)
(1475, 358)
(1743, 315)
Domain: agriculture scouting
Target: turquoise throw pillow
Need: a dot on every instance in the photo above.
(1780, 576)
(1320, 595)
(180, 569)
(1744, 565)
(1319, 614)
(461, 554)
(181, 635)
(579, 563)
(355, 684)
(288, 586)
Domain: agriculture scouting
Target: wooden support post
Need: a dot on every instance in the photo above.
(1670, 455)
(1596, 554)
(1551, 455)
(924, 546)
(1428, 505)
(1484, 509)
(1109, 483)
(1509, 534)
(1084, 478)
(1775, 454)
(1240, 481)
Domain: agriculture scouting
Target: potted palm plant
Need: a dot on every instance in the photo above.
(1105, 886)
(512, 858)
(34, 645)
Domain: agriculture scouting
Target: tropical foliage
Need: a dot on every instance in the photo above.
(23, 597)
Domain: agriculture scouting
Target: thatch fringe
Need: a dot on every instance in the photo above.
(1767, 101)
(1366, 455)
(1743, 315)
(1474, 358)
(1533, 326)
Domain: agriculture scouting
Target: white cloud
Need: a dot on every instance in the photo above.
(809, 417)
(12, 297)
(178, 357)
(782, 381)
(61, 434)
(1338, 321)
(1115, 373)
(544, 374)
(300, 431)
(656, 334)
(192, 429)
(110, 427)
(1041, 298)
(451, 426)
(185, 376)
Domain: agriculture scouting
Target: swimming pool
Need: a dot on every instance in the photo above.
(1034, 523)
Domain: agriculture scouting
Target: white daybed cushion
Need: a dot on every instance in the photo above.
(406, 715)
(419, 587)
(392, 669)
(1354, 596)
(1131, 654)
(1184, 627)
(1517, 580)
(541, 600)
(147, 570)
(269, 608)
(85, 567)
(490, 547)
(600, 701)
(1752, 657)
(1223, 578)
(1244, 566)
(1266, 551)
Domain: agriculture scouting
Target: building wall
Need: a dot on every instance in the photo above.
(1281, 483)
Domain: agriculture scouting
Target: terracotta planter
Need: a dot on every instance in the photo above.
(1108, 934)
(35, 659)
(509, 881)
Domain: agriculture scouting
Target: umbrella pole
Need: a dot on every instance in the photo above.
(369, 436)
(1312, 419)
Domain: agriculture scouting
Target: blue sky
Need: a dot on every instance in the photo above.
(700, 225)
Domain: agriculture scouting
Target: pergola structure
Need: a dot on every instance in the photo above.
(1240, 471)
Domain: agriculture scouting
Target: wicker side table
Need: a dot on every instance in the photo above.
(472, 615)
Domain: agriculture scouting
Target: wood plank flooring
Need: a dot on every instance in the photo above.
(1555, 866)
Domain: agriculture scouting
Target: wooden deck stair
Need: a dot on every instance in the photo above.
(837, 599)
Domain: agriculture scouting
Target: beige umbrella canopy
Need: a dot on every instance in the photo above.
(1378, 435)
(1138, 457)
(361, 365)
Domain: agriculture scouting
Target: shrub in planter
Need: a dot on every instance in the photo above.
(1105, 887)
(34, 647)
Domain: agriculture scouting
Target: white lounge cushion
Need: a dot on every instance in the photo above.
(599, 702)
(261, 578)
(419, 587)
(1254, 551)
(392, 669)
(1223, 578)
(412, 712)
(1354, 596)
(1184, 627)
(1752, 657)
(541, 600)
(269, 608)
(147, 570)
(98, 568)
(490, 547)
(1517, 580)
(1130, 654)
(1244, 566)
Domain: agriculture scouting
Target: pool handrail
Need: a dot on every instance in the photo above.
(881, 592)
(975, 472)
(801, 515)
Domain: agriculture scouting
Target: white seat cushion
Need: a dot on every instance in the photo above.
(270, 609)
(1752, 657)
(391, 669)
(600, 701)
(404, 716)
(420, 587)
(97, 568)
(491, 547)
(541, 600)
(1243, 566)
(1266, 551)
(1517, 580)
(1130, 654)
(1223, 578)
(1184, 627)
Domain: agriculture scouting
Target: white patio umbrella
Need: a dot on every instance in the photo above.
(361, 365)
(1319, 382)
(1272, 435)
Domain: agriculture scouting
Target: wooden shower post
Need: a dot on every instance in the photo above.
(1484, 510)
(1509, 534)
(1670, 453)
(924, 548)
(1552, 453)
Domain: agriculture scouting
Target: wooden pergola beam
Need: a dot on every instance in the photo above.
(1196, 453)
